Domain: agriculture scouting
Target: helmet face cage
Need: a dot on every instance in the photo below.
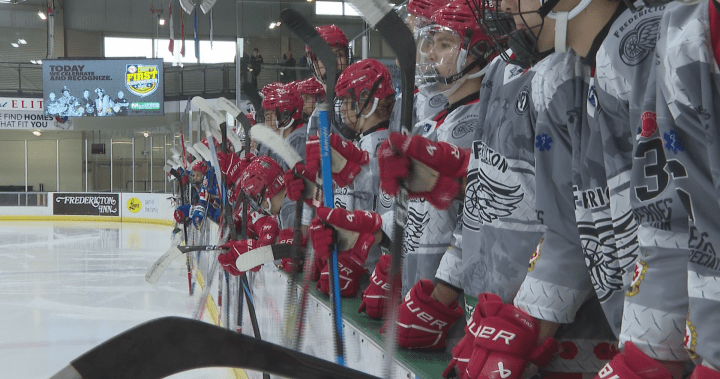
(261, 181)
(500, 27)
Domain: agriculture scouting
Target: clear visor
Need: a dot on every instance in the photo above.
(438, 50)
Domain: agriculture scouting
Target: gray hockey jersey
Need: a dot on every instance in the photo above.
(686, 143)
(428, 230)
(500, 226)
(652, 320)
(423, 107)
(364, 192)
(557, 269)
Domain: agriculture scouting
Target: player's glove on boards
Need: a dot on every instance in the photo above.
(234, 250)
(634, 364)
(423, 322)
(377, 293)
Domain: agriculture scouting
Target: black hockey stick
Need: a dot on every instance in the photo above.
(300, 27)
(169, 345)
(380, 14)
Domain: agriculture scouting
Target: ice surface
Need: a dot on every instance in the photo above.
(66, 286)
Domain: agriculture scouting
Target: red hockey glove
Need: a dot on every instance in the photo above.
(506, 341)
(235, 249)
(349, 274)
(464, 349)
(433, 170)
(703, 372)
(298, 184)
(378, 291)
(634, 364)
(354, 231)
(233, 166)
(266, 229)
(347, 159)
(423, 322)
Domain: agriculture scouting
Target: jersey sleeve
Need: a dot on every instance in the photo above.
(557, 282)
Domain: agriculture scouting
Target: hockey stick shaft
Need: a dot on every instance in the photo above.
(298, 25)
(401, 40)
(169, 345)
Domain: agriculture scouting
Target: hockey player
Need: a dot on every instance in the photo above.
(366, 96)
(338, 41)
(208, 194)
(455, 52)
(262, 181)
(283, 109)
(312, 92)
(674, 173)
(418, 16)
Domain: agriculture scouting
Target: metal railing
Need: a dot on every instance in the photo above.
(207, 80)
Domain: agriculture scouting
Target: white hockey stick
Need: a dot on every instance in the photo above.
(268, 137)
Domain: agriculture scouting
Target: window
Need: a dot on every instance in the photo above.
(334, 8)
(221, 52)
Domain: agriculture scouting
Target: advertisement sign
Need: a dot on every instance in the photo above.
(103, 87)
(146, 205)
(20, 104)
(86, 204)
(23, 120)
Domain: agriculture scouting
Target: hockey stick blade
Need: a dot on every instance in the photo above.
(169, 345)
(205, 106)
(156, 270)
(191, 150)
(228, 106)
(204, 152)
(265, 254)
(269, 138)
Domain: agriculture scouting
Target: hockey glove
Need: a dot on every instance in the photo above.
(232, 166)
(355, 232)
(464, 349)
(347, 159)
(198, 214)
(182, 213)
(634, 364)
(506, 341)
(265, 228)
(430, 170)
(349, 274)
(298, 184)
(376, 294)
(423, 322)
(236, 249)
(703, 372)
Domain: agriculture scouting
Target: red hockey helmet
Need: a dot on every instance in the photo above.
(201, 166)
(458, 16)
(363, 84)
(424, 8)
(270, 87)
(337, 40)
(261, 180)
(287, 105)
(367, 78)
(311, 86)
(333, 35)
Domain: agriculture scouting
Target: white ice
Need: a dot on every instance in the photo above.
(65, 287)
